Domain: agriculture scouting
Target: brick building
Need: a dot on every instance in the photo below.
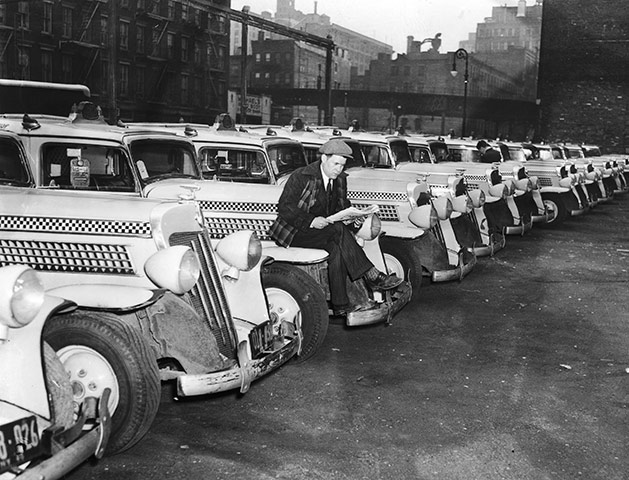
(584, 73)
(141, 59)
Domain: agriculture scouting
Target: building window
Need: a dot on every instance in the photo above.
(394, 71)
(170, 45)
(66, 68)
(184, 11)
(197, 53)
(124, 3)
(140, 32)
(141, 5)
(267, 57)
(197, 16)
(103, 79)
(46, 66)
(155, 41)
(267, 75)
(3, 14)
(185, 89)
(104, 30)
(185, 49)
(257, 75)
(258, 58)
(124, 35)
(66, 20)
(23, 20)
(24, 63)
(170, 13)
(47, 18)
(139, 81)
(196, 89)
(123, 85)
(287, 57)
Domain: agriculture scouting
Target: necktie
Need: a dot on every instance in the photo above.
(328, 191)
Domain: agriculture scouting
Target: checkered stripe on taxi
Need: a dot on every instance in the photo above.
(388, 196)
(67, 256)
(475, 178)
(251, 207)
(219, 227)
(23, 223)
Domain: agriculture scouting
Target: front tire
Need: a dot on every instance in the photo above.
(59, 388)
(554, 203)
(289, 290)
(100, 351)
(403, 260)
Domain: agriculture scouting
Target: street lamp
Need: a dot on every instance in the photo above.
(461, 53)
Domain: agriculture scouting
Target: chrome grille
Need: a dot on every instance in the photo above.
(219, 227)
(208, 297)
(67, 257)
(545, 182)
(386, 212)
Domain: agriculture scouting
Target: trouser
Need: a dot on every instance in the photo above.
(346, 257)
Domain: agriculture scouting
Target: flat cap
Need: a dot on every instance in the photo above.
(336, 146)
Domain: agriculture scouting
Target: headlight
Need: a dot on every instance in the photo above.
(424, 217)
(523, 184)
(21, 295)
(499, 191)
(534, 183)
(510, 186)
(240, 249)
(478, 198)
(443, 206)
(174, 268)
(462, 204)
(371, 228)
(566, 182)
(414, 191)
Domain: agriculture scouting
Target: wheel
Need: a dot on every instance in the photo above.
(555, 205)
(403, 260)
(99, 350)
(59, 388)
(290, 290)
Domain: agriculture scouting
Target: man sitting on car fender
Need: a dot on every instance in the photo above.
(313, 193)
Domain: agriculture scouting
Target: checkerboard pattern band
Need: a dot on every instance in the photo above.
(23, 223)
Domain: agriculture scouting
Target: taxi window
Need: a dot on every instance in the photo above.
(400, 150)
(235, 165)
(12, 170)
(86, 167)
(420, 154)
(463, 154)
(156, 160)
(286, 158)
(377, 156)
(440, 151)
(517, 153)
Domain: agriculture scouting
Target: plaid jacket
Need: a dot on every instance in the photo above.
(303, 199)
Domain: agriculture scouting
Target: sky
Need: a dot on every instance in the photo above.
(391, 21)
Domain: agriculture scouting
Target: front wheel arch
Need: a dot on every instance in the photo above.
(99, 350)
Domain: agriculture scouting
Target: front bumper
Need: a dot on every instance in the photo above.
(467, 261)
(394, 301)
(526, 223)
(239, 376)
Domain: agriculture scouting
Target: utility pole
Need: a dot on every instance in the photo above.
(113, 61)
(244, 40)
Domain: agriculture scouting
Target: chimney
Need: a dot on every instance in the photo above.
(315, 9)
(521, 9)
(409, 43)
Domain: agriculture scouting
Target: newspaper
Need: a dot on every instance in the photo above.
(352, 213)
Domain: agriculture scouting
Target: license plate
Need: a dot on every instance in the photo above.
(19, 442)
(261, 339)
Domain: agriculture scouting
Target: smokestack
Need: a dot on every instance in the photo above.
(315, 10)
(521, 9)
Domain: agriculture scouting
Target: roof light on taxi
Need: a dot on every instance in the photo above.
(271, 132)
(189, 131)
(443, 207)
(29, 123)
(175, 268)
(424, 217)
(21, 297)
(478, 198)
(241, 251)
(87, 112)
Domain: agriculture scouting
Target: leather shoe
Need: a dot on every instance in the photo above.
(384, 281)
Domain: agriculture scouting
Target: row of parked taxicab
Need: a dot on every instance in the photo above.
(139, 254)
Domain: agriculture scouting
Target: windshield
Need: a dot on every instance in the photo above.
(400, 150)
(574, 152)
(420, 154)
(517, 153)
(158, 159)
(439, 150)
(458, 153)
(377, 156)
(86, 167)
(12, 170)
(286, 158)
(228, 163)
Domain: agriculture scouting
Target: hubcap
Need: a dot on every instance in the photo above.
(394, 266)
(282, 307)
(90, 373)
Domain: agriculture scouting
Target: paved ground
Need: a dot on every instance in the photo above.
(518, 372)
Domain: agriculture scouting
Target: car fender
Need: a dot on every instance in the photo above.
(295, 255)
(113, 298)
(554, 190)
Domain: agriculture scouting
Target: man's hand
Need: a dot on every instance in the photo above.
(319, 223)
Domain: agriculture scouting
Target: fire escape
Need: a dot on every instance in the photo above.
(159, 27)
